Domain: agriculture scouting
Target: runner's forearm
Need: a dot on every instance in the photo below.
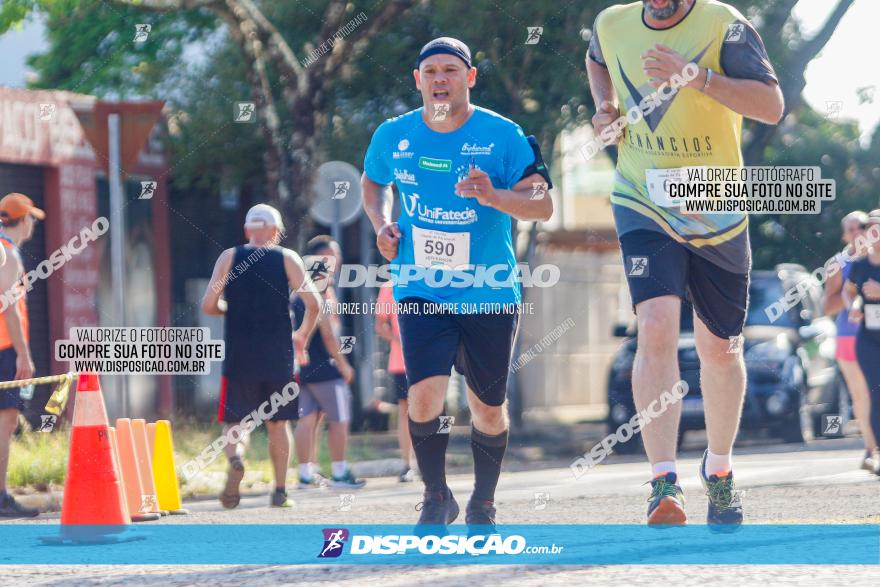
(331, 342)
(213, 303)
(833, 302)
(376, 203)
(753, 99)
(16, 333)
(600, 83)
(520, 205)
(384, 330)
(312, 303)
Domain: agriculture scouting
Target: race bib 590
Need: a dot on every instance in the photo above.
(435, 248)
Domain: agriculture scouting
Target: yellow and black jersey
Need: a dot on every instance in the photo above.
(690, 128)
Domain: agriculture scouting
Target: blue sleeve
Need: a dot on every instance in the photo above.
(519, 157)
(378, 153)
(743, 55)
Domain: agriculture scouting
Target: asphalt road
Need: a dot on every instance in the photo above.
(819, 484)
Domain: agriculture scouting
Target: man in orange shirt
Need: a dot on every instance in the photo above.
(18, 216)
(388, 328)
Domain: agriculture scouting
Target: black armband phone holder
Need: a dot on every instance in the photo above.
(538, 166)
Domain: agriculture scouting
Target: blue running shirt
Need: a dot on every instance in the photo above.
(454, 250)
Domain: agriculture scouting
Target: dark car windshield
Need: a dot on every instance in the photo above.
(763, 292)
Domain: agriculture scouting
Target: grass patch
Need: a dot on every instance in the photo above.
(37, 459)
(191, 438)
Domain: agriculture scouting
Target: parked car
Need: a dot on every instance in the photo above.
(792, 378)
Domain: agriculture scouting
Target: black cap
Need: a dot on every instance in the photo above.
(446, 45)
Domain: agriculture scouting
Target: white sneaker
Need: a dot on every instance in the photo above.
(317, 481)
(867, 463)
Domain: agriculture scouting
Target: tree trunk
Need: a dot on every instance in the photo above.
(307, 121)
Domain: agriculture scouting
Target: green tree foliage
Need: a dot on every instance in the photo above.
(193, 62)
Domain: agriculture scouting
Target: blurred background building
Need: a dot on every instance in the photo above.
(45, 155)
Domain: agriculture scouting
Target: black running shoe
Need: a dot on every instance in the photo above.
(438, 508)
(279, 499)
(480, 517)
(347, 481)
(725, 505)
(666, 504)
(9, 508)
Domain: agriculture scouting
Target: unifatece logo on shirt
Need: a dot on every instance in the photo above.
(443, 165)
(437, 215)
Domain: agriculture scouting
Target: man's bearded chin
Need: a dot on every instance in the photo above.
(662, 13)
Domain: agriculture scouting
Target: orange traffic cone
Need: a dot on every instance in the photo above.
(118, 469)
(151, 446)
(92, 510)
(145, 466)
(139, 505)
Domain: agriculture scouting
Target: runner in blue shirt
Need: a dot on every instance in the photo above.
(463, 173)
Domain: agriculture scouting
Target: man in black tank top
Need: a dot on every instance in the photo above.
(251, 287)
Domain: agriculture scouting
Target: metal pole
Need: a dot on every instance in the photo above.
(336, 227)
(367, 368)
(117, 240)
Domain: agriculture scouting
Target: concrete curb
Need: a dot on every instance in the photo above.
(377, 468)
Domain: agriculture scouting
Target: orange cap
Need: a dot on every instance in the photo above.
(15, 206)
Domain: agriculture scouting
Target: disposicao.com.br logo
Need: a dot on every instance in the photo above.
(451, 544)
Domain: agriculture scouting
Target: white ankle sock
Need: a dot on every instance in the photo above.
(305, 471)
(718, 464)
(662, 468)
(339, 468)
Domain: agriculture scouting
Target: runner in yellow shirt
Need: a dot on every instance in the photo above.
(635, 51)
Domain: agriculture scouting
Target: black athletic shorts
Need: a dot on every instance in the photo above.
(479, 346)
(656, 265)
(400, 385)
(9, 398)
(238, 399)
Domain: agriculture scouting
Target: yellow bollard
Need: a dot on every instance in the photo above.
(164, 472)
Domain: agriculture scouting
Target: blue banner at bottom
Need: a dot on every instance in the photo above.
(396, 544)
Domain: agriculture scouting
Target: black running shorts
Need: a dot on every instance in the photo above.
(656, 265)
(479, 346)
